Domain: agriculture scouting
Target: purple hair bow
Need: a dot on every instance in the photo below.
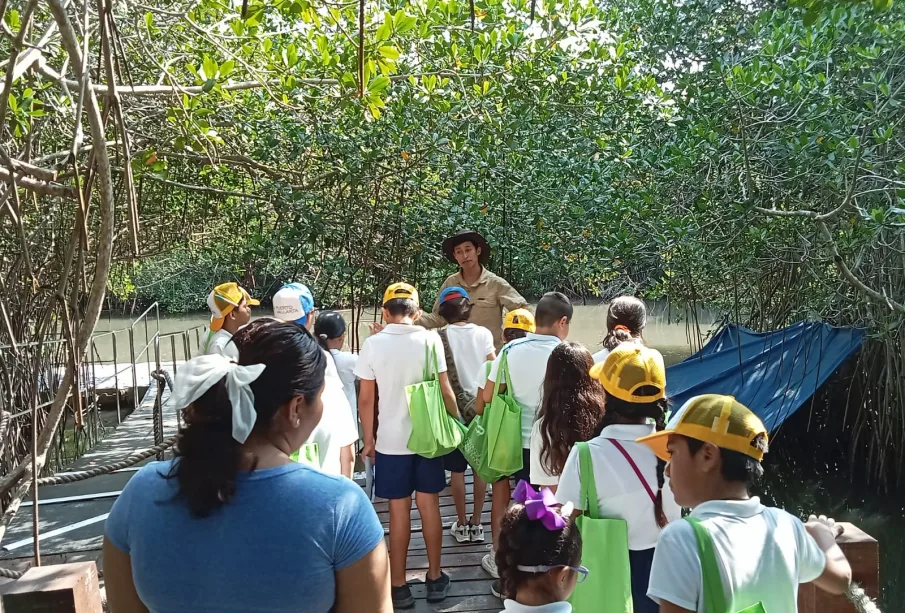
(540, 505)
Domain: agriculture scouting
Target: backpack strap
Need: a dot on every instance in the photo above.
(714, 596)
(587, 481)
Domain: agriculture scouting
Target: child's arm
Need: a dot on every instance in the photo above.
(479, 403)
(449, 397)
(668, 607)
(366, 415)
(837, 575)
(346, 460)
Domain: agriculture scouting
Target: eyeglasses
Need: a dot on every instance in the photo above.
(581, 570)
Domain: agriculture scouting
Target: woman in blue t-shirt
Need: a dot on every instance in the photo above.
(232, 523)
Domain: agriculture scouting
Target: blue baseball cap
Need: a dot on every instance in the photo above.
(451, 293)
(294, 302)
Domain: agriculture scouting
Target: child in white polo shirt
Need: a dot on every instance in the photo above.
(337, 432)
(759, 555)
(628, 476)
(527, 361)
(389, 361)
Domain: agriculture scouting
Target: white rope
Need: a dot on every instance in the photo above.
(858, 597)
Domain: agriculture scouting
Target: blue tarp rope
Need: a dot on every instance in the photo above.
(771, 373)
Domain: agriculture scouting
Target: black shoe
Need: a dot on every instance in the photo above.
(437, 588)
(402, 597)
(495, 589)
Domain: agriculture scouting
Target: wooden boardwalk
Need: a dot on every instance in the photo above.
(470, 589)
(79, 509)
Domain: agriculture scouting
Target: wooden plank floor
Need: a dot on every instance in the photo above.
(470, 589)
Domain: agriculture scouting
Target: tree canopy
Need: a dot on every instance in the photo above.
(742, 155)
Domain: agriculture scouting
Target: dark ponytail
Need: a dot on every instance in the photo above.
(207, 457)
(621, 411)
(526, 542)
(327, 326)
(625, 319)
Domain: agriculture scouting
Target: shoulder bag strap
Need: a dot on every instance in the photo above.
(504, 368)
(451, 371)
(587, 481)
(714, 596)
(647, 488)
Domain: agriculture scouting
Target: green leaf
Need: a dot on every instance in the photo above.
(389, 52)
(812, 14)
(208, 85)
(378, 84)
(853, 142)
(226, 68)
(149, 20)
(209, 66)
(12, 19)
(384, 31)
(13, 103)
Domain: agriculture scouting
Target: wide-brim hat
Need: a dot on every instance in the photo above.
(467, 236)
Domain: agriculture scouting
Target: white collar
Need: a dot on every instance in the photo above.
(543, 337)
(728, 508)
(335, 352)
(463, 326)
(553, 607)
(402, 328)
(627, 432)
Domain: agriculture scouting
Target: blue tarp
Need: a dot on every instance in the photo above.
(772, 373)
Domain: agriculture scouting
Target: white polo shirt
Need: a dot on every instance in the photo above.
(470, 345)
(620, 494)
(527, 358)
(220, 342)
(345, 366)
(763, 554)
(600, 356)
(337, 428)
(394, 358)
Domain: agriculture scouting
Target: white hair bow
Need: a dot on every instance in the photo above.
(200, 374)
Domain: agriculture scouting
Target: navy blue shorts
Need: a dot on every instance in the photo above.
(455, 462)
(640, 563)
(398, 476)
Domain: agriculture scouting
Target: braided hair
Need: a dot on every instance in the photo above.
(621, 411)
(526, 542)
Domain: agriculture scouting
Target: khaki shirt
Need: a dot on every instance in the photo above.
(490, 295)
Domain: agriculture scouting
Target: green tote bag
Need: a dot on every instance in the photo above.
(503, 422)
(608, 588)
(714, 595)
(434, 431)
(309, 454)
(474, 448)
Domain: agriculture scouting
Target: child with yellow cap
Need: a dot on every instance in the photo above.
(391, 360)
(732, 553)
(624, 476)
(230, 310)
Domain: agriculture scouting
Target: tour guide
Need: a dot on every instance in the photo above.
(489, 293)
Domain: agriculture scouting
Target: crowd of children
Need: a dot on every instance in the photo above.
(594, 436)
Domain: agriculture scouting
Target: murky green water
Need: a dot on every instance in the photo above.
(795, 480)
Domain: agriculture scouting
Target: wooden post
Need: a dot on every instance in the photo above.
(61, 588)
(863, 553)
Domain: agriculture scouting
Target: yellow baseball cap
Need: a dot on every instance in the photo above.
(519, 319)
(629, 367)
(712, 418)
(223, 299)
(401, 290)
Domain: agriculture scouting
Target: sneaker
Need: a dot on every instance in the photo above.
(402, 597)
(496, 590)
(460, 532)
(476, 533)
(437, 588)
(488, 563)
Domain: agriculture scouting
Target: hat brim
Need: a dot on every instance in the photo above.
(217, 323)
(596, 371)
(656, 442)
(468, 236)
(253, 302)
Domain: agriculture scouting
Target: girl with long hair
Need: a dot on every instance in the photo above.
(571, 411)
(626, 317)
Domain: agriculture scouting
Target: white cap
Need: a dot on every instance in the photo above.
(293, 303)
